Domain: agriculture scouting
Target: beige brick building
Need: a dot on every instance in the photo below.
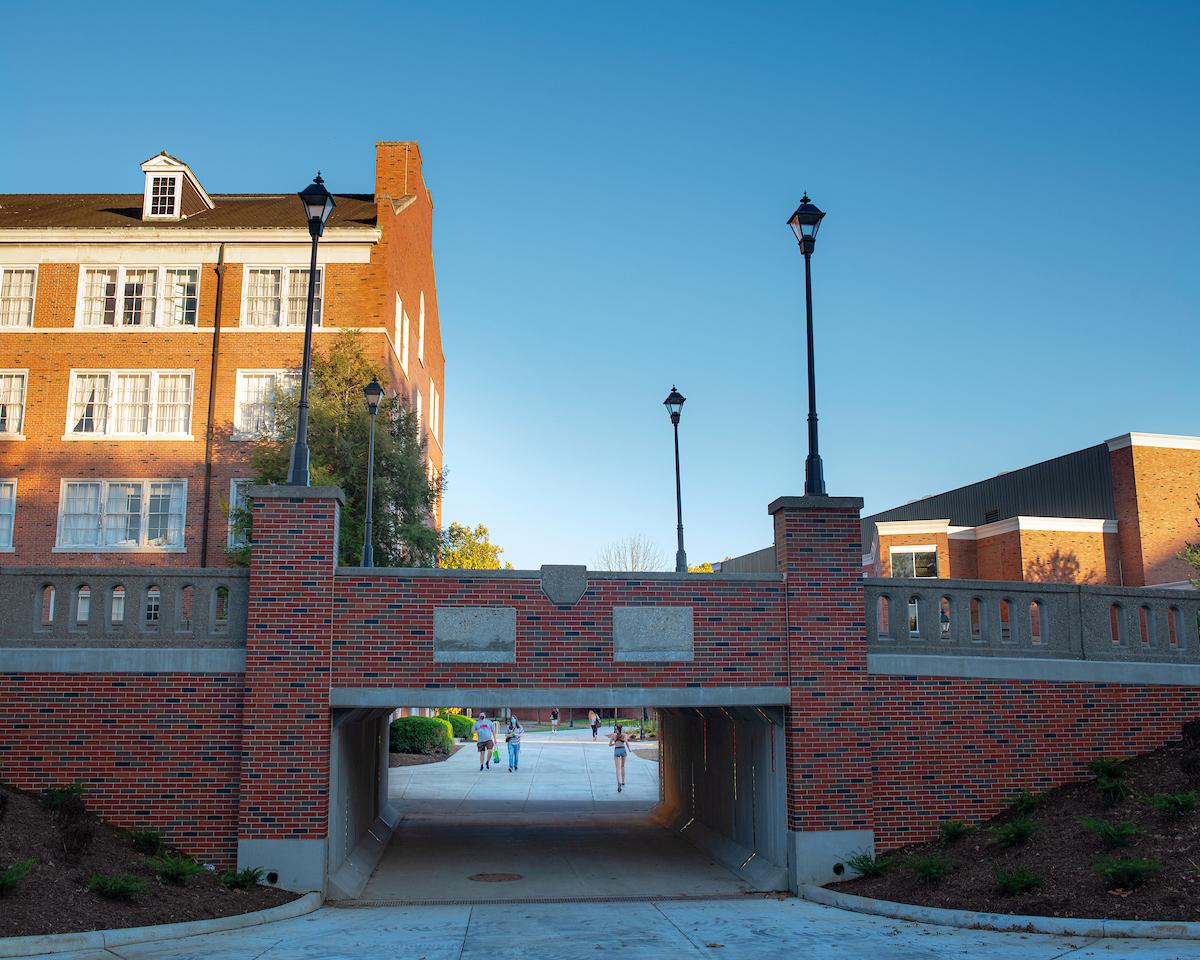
(142, 337)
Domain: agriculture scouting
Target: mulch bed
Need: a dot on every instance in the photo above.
(1062, 853)
(416, 759)
(53, 897)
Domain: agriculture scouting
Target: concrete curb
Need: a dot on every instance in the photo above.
(101, 939)
(971, 920)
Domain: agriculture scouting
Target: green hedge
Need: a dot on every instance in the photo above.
(461, 725)
(421, 735)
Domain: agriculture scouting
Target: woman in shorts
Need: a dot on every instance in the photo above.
(485, 739)
(619, 741)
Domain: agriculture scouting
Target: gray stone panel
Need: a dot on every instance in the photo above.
(653, 634)
(121, 660)
(298, 864)
(564, 585)
(474, 634)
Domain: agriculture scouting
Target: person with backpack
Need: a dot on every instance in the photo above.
(485, 740)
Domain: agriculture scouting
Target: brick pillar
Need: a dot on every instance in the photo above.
(818, 548)
(284, 802)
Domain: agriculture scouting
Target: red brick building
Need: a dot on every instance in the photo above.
(143, 337)
(1117, 513)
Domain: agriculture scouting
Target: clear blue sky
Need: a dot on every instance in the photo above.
(1008, 269)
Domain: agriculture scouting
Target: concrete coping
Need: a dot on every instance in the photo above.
(282, 491)
(119, 573)
(814, 503)
(975, 920)
(103, 939)
(454, 574)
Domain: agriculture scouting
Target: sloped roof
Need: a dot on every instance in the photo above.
(263, 211)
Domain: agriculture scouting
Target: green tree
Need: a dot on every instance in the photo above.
(338, 434)
(467, 549)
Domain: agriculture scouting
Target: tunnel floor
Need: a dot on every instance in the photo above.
(557, 829)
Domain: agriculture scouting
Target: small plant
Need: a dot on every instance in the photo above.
(1015, 881)
(1112, 790)
(1189, 766)
(55, 797)
(1107, 767)
(116, 886)
(147, 842)
(242, 879)
(1127, 873)
(868, 865)
(1191, 732)
(1013, 833)
(1173, 804)
(175, 869)
(952, 830)
(1025, 802)
(12, 877)
(77, 837)
(3, 805)
(1110, 834)
(931, 868)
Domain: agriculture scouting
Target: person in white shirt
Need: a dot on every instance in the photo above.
(485, 740)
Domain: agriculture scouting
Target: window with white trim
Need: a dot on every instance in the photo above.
(121, 515)
(138, 297)
(162, 196)
(255, 399)
(435, 416)
(920, 563)
(130, 403)
(421, 329)
(12, 402)
(402, 334)
(420, 416)
(17, 287)
(278, 296)
(8, 511)
(237, 500)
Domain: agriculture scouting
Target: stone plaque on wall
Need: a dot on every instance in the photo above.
(474, 634)
(644, 634)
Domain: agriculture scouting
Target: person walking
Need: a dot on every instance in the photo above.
(618, 740)
(485, 739)
(594, 723)
(554, 720)
(512, 737)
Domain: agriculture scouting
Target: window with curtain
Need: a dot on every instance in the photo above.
(17, 285)
(12, 401)
(139, 297)
(256, 395)
(122, 514)
(8, 511)
(130, 403)
(278, 297)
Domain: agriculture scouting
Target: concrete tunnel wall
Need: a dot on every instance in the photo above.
(360, 820)
(723, 776)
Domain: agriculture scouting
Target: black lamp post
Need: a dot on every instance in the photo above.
(374, 393)
(804, 223)
(674, 405)
(318, 205)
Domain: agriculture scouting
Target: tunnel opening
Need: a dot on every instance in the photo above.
(702, 812)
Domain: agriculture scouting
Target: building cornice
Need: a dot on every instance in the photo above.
(899, 528)
(1054, 524)
(24, 235)
(1171, 441)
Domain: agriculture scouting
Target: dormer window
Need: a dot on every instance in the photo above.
(172, 190)
(163, 193)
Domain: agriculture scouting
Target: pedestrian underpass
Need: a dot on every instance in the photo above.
(706, 819)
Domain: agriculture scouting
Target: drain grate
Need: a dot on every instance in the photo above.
(495, 877)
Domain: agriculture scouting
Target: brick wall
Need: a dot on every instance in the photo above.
(1165, 483)
(1069, 556)
(999, 557)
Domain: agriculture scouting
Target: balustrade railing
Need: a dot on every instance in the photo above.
(992, 618)
(152, 607)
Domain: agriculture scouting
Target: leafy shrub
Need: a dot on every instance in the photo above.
(175, 869)
(55, 797)
(1013, 833)
(1112, 790)
(1189, 765)
(148, 842)
(1107, 767)
(11, 878)
(1015, 881)
(931, 868)
(3, 804)
(462, 727)
(77, 837)
(245, 879)
(71, 809)
(1191, 732)
(952, 830)
(116, 886)
(1127, 873)
(421, 735)
(1173, 804)
(868, 865)
(1110, 834)
(1025, 802)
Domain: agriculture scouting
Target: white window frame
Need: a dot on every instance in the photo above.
(285, 320)
(919, 548)
(421, 330)
(239, 394)
(437, 415)
(402, 334)
(4, 268)
(233, 543)
(109, 433)
(157, 320)
(12, 535)
(24, 375)
(151, 176)
(141, 546)
(420, 416)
